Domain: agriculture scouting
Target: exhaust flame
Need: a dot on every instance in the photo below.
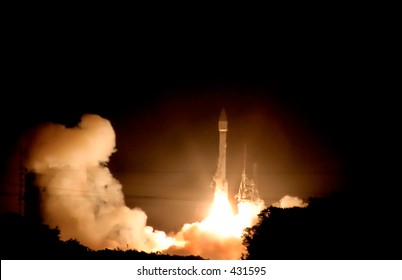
(218, 236)
(221, 218)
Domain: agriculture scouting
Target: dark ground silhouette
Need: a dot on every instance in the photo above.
(341, 226)
(22, 239)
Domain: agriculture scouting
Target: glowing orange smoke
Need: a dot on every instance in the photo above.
(219, 235)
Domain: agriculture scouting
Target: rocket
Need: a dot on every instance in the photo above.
(220, 181)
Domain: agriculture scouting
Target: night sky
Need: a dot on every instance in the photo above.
(313, 111)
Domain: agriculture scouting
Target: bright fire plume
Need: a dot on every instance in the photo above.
(219, 235)
(221, 219)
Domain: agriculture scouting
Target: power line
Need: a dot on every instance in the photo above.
(155, 171)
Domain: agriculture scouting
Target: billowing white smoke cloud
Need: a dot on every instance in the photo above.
(80, 195)
(289, 202)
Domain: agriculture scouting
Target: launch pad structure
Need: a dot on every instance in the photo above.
(248, 190)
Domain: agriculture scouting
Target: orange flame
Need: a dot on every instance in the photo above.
(219, 235)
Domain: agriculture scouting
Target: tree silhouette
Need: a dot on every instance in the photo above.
(277, 232)
(336, 227)
(23, 239)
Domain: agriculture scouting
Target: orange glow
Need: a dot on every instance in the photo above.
(221, 219)
(219, 235)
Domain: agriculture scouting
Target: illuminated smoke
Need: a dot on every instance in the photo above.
(289, 202)
(219, 235)
(82, 198)
(80, 195)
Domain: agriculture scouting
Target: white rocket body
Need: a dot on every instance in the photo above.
(221, 183)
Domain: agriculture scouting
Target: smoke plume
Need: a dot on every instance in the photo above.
(79, 193)
(290, 201)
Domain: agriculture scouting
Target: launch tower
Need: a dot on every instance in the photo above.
(247, 191)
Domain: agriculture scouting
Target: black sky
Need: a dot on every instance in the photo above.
(312, 108)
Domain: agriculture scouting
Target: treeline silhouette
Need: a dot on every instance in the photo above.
(340, 226)
(21, 239)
